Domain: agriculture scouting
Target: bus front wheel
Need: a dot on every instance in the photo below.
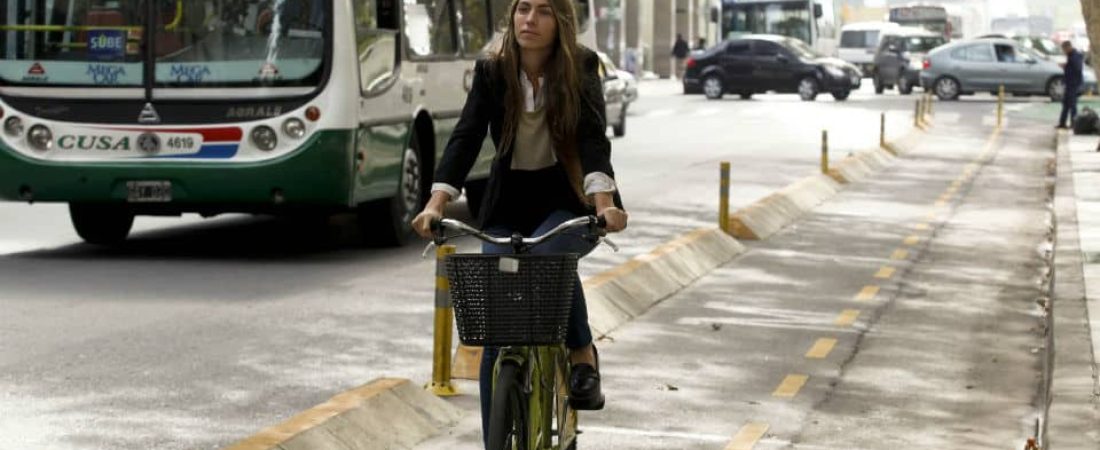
(388, 222)
(101, 224)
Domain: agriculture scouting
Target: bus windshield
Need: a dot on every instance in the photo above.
(791, 19)
(212, 43)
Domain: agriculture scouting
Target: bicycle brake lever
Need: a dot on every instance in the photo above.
(610, 243)
(427, 248)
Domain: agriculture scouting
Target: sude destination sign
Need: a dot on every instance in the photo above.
(107, 45)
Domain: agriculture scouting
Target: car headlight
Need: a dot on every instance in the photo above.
(834, 71)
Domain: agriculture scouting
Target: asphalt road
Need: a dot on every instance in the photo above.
(199, 332)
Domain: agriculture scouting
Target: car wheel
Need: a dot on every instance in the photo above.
(841, 95)
(712, 87)
(620, 129)
(946, 88)
(1056, 89)
(808, 89)
(877, 81)
(746, 95)
(101, 224)
(904, 87)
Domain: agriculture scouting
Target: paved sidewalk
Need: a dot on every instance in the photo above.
(1073, 418)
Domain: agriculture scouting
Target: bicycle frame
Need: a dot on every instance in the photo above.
(546, 394)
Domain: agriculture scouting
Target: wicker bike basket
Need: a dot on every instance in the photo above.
(502, 300)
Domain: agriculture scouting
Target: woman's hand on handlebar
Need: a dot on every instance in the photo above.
(616, 219)
(433, 211)
(423, 222)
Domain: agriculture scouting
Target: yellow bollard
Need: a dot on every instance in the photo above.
(444, 318)
(931, 103)
(825, 152)
(882, 131)
(1000, 105)
(916, 114)
(724, 198)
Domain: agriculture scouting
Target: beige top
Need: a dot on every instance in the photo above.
(533, 150)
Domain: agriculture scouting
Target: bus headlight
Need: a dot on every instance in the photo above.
(294, 128)
(13, 126)
(40, 138)
(264, 138)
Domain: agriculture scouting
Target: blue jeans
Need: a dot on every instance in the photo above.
(577, 336)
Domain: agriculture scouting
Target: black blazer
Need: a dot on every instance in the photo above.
(484, 110)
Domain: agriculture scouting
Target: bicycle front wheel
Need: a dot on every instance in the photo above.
(507, 418)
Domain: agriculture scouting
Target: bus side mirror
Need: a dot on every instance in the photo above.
(818, 12)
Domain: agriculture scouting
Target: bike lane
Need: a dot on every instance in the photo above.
(902, 312)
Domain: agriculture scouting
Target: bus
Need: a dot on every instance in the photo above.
(930, 17)
(287, 107)
(807, 20)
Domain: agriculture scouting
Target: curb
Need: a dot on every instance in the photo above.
(1072, 416)
(622, 293)
(386, 413)
(767, 216)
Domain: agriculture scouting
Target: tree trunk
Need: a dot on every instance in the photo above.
(1091, 8)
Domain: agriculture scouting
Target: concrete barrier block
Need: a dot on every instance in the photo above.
(387, 413)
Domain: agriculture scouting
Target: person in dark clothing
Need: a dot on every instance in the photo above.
(541, 98)
(701, 45)
(1074, 78)
(680, 51)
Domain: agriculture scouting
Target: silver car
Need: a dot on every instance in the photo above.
(983, 65)
(614, 95)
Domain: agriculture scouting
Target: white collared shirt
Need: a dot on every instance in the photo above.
(595, 182)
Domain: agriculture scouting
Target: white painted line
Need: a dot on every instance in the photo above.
(656, 434)
(661, 113)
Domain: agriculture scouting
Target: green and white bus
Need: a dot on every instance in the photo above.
(162, 107)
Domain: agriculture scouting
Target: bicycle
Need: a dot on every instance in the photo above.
(520, 302)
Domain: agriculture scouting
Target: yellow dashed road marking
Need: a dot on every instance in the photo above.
(868, 293)
(790, 386)
(921, 227)
(885, 272)
(912, 240)
(749, 435)
(821, 348)
(847, 317)
(900, 254)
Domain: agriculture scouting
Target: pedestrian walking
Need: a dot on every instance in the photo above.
(702, 44)
(680, 52)
(1074, 78)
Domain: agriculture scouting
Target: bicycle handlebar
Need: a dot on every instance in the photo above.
(594, 223)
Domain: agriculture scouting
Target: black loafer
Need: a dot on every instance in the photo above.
(584, 387)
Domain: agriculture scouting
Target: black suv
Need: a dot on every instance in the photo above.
(900, 58)
(760, 63)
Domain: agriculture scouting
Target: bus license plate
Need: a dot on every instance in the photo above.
(149, 191)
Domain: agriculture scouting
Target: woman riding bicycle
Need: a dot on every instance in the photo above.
(541, 97)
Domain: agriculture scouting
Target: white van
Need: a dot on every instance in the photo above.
(858, 42)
